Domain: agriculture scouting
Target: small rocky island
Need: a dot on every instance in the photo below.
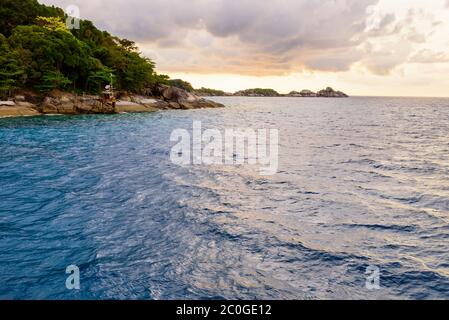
(258, 92)
(29, 103)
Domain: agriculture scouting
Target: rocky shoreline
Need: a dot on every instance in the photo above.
(29, 103)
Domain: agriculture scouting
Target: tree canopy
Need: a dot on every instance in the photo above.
(210, 92)
(38, 51)
(181, 84)
(259, 92)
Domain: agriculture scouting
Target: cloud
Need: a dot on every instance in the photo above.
(381, 59)
(429, 56)
(255, 37)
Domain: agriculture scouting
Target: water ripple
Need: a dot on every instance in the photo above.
(361, 182)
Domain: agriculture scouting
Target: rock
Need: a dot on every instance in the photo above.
(49, 109)
(257, 92)
(67, 108)
(16, 111)
(7, 103)
(303, 93)
(294, 94)
(94, 107)
(207, 104)
(307, 93)
(181, 99)
(59, 102)
(127, 106)
(26, 104)
(159, 104)
(150, 102)
(176, 94)
(187, 105)
(174, 105)
(60, 95)
(331, 93)
(49, 106)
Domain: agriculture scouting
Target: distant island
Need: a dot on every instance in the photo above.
(258, 92)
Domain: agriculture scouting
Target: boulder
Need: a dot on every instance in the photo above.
(307, 93)
(181, 99)
(7, 103)
(26, 104)
(49, 109)
(17, 110)
(52, 104)
(294, 94)
(174, 105)
(206, 104)
(67, 108)
(49, 106)
(60, 102)
(94, 107)
(150, 102)
(128, 106)
(89, 107)
(176, 94)
(187, 105)
(331, 93)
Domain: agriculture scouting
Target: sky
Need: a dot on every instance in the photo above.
(362, 47)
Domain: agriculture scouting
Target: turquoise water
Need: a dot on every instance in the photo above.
(362, 182)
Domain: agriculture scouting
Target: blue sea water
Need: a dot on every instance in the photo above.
(362, 182)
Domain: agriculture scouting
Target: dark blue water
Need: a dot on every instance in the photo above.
(362, 182)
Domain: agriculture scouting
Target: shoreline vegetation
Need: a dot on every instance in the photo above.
(47, 68)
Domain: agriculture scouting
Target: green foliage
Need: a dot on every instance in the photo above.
(210, 92)
(52, 24)
(259, 92)
(39, 51)
(181, 84)
(162, 79)
(99, 78)
(44, 51)
(53, 80)
(12, 70)
(14, 13)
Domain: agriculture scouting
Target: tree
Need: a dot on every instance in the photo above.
(52, 24)
(53, 80)
(259, 92)
(210, 92)
(49, 55)
(99, 78)
(14, 13)
(11, 68)
(181, 84)
(45, 49)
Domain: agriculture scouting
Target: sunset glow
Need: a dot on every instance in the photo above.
(366, 47)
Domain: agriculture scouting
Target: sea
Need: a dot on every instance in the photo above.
(357, 209)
